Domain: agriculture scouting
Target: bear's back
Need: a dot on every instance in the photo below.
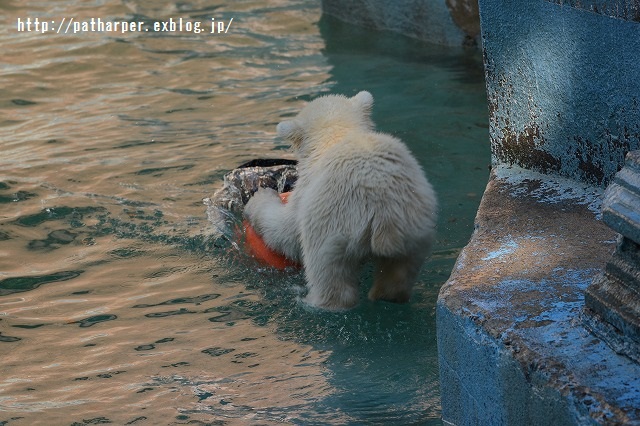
(370, 180)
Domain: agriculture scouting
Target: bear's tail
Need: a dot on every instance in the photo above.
(388, 239)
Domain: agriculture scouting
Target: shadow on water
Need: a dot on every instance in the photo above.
(350, 44)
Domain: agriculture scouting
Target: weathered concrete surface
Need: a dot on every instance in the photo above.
(512, 346)
(628, 10)
(612, 301)
(613, 298)
(445, 22)
(563, 84)
(621, 209)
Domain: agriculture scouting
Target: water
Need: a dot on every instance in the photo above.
(117, 304)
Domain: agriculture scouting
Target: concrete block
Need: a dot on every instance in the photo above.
(512, 345)
(613, 298)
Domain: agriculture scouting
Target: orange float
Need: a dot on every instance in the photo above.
(257, 248)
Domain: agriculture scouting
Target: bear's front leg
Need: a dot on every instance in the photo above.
(274, 221)
(332, 275)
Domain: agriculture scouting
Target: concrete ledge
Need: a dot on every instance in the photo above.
(513, 349)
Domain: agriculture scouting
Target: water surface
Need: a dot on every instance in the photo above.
(117, 302)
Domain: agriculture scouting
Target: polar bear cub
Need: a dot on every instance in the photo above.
(360, 195)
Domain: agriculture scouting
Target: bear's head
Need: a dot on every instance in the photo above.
(327, 118)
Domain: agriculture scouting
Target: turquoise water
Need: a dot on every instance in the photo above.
(118, 303)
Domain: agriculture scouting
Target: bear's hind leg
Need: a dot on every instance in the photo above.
(394, 277)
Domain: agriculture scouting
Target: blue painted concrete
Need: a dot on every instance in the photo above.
(563, 85)
(512, 346)
(621, 210)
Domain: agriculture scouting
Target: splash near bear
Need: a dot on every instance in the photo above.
(360, 195)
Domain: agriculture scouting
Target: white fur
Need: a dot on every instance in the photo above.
(360, 195)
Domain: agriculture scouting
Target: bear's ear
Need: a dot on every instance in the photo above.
(363, 99)
(290, 130)
(287, 129)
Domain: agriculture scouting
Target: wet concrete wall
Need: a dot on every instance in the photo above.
(445, 22)
(563, 84)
